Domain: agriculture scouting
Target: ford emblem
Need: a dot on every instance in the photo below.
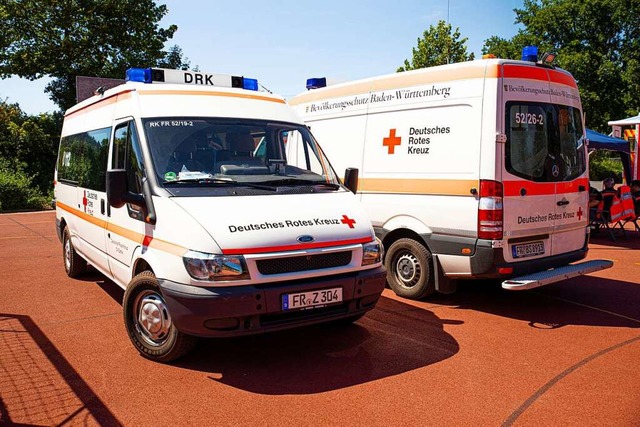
(305, 239)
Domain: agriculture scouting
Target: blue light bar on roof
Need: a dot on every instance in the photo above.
(142, 75)
(185, 77)
(530, 53)
(316, 82)
(249, 84)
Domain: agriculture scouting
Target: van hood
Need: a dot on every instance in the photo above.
(276, 223)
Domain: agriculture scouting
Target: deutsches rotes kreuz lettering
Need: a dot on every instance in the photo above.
(268, 225)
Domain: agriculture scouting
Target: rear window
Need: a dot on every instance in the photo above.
(544, 142)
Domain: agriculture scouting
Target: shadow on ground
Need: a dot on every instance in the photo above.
(393, 338)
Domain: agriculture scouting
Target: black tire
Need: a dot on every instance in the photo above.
(158, 339)
(74, 264)
(410, 269)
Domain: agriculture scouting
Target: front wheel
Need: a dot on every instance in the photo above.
(409, 269)
(148, 322)
(74, 264)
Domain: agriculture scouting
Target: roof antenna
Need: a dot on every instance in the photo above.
(265, 89)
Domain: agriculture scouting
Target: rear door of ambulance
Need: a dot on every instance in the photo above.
(543, 163)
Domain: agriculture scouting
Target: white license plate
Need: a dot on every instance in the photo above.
(527, 249)
(311, 299)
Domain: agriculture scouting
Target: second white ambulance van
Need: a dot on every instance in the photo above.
(469, 170)
(161, 187)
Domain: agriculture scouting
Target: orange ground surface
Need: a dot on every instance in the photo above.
(565, 354)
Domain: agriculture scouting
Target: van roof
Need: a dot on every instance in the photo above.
(484, 68)
(172, 89)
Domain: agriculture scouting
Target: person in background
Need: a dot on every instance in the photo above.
(594, 200)
(608, 186)
(608, 193)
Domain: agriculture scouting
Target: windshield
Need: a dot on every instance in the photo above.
(544, 142)
(213, 151)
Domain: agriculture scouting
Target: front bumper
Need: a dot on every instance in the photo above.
(245, 310)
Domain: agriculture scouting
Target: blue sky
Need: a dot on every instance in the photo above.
(283, 43)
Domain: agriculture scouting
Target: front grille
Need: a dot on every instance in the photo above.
(303, 263)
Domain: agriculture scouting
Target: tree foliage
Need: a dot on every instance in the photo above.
(30, 144)
(598, 41)
(16, 189)
(438, 46)
(65, 39)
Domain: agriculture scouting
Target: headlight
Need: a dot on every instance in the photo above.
(372, 252)
(202, 266)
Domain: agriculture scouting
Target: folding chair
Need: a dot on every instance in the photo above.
(609, 215)
(628, 207)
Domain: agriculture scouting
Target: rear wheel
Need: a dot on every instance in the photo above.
(410, 269)
(148, 322)
(74, 264)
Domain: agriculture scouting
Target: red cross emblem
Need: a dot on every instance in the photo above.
(346, 220)
(391, 141)
(579, 213)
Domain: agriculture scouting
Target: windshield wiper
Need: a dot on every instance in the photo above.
(298, 181)
(214, 180)
(201, 180)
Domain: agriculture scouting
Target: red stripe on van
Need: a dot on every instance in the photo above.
(537, 73)
(514, 188)
(244, 251)
(562, 78)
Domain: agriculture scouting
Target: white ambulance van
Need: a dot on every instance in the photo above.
(469, 170)
(158, 186)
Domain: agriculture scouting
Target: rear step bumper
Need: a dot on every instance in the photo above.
(542, 278)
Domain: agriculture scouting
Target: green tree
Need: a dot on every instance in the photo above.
(30, 144)
(81, 38)
(438, 46)
(16, 189)
(597, 41)
(175, 60)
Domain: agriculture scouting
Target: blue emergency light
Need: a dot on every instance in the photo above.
(249, 84)
(530, 53)
(142, 75)
(316, 82)
(159, 75)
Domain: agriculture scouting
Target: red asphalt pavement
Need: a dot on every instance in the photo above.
(565, 354)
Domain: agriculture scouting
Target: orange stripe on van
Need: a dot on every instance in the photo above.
(514, 188)
(102, 102)
(537, 73)
(82, 215)
(417, 186)
(210, 93)
(398, 81)
(143, 239)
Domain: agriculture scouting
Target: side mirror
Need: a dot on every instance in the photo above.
(351, 179)
(117, 193)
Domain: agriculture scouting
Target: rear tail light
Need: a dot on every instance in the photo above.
(490, 213)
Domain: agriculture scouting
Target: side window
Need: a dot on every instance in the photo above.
(127, 155)
(305, 156)
(82, 159)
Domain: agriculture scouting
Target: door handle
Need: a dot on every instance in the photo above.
(102, 209)
(562, 203)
